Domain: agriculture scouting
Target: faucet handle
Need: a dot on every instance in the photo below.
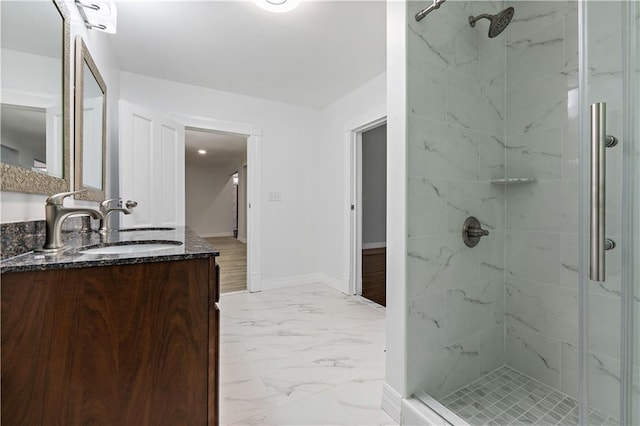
(106, 203)
(58, 199)
(131, 204)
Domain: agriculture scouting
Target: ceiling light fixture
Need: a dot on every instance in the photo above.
(277, 6)
(202, 151)
(99, 15)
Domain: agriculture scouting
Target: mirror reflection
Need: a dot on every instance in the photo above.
(32, 90)
(90, 118)
(93, 98)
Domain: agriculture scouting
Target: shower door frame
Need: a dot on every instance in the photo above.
(629, 206)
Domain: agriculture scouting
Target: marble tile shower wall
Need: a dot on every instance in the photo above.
(456, 122)
(541, 291)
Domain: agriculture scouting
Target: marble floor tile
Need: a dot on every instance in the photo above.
(302, 355)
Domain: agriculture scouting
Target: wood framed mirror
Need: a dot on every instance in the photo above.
(90, 126)
(36, 97)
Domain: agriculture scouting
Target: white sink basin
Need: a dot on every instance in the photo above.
(131, 247)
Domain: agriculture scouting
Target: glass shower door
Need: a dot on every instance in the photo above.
(609, 242)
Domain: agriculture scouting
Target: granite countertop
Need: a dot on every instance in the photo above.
(192, 247)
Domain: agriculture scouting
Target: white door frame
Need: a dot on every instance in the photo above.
(352, 244)
(254, 207)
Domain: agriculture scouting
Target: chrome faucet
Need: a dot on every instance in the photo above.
(106, 211)
(56, 214)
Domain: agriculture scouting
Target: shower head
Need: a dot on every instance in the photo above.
(499, 21)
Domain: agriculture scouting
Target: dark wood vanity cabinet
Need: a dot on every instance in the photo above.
(111, 345)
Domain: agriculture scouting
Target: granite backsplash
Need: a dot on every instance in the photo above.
(17, 238)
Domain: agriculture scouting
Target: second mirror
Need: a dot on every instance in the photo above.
(90, 126)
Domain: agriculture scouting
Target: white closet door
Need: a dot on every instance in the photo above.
(151, 167)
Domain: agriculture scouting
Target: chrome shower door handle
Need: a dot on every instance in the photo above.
(599, 142)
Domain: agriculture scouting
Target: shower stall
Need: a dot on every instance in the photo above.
(513, 120)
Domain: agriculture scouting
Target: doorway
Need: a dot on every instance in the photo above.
(373, 156)
(367, 206)
(253, 133)
(215, 198)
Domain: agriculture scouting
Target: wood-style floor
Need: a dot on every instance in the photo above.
(374, 275)
(233, 263)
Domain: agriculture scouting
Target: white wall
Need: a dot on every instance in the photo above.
(290, 148)
(209, 201)
(329, 203)
(374, 187)
(17, 207)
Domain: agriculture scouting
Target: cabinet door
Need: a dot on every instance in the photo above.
(114, 345)
(37, 331)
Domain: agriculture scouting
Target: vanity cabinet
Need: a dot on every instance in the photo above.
(111, 345)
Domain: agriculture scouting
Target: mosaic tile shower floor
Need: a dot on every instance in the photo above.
(508, 397)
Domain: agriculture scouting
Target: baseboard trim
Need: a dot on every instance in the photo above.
(242, 240)
(336, 283)
(289, 281)
(392, 402)
(217, 234)
(306, 279)
(254, 281)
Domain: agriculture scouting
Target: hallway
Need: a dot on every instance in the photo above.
(299, 356)
(232, 261)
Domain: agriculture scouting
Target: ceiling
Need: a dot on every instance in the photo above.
(310, 56)
(224, 150)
